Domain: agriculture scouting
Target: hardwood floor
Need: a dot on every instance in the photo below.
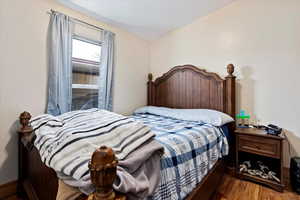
(14, 197)
(235, 189)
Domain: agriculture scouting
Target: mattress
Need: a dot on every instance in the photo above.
(191, 149)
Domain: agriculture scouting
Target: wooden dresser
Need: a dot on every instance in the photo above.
(254, 144)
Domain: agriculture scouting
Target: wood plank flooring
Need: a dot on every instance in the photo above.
(14, 197)
(235, 189)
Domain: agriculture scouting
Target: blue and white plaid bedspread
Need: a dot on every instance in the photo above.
(191, 150)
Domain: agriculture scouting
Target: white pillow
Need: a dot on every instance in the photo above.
(206, 116)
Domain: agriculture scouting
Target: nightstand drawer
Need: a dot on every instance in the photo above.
(259, 145)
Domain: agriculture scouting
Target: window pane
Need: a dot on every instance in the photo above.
(81, 77)
(85, 68)
(86, 51)
(84, 99)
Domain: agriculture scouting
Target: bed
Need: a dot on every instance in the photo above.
(182, 87)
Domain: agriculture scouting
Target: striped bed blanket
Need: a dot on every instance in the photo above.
(66, 142)
(190, 150)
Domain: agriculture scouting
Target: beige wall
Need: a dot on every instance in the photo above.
(23, 71)
(262, 39)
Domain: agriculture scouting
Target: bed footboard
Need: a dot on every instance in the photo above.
(35, 180)
(40, 182)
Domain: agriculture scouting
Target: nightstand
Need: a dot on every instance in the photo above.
(256, 145)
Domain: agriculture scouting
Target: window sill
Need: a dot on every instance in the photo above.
(85, 86)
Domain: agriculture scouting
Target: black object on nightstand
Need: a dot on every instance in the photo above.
(259, 157)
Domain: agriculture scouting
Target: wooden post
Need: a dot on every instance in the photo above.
(103, 169)
(230, 109)
(150, 95)
(25, 134)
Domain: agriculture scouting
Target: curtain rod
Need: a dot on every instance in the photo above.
(77, 20)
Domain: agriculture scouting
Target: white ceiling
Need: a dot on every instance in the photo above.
(149, 19)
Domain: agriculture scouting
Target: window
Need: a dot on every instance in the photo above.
(85, 64)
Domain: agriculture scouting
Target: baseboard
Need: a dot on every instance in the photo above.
(8, 189)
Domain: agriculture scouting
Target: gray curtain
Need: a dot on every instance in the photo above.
(59, 64)
(106, 71)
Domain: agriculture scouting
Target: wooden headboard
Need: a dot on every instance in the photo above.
(190, 87)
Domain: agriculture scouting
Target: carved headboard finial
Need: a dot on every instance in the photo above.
(103, 169)
(150, 77)
(230, 70)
